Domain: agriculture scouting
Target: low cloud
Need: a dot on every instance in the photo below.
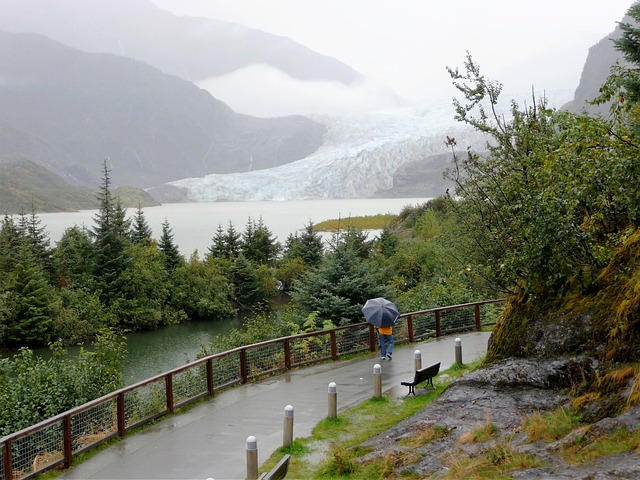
(264, 91)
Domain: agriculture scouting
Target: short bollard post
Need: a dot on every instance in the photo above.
(287, 435)
(458, 348)
(252, 458)
(377, 380)
(333, 400)
(417, 360)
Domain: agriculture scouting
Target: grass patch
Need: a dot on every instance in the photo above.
(583, 449)
(495, 463)
(368, 222)
(550, 426)
(334, 445)
(481, 434)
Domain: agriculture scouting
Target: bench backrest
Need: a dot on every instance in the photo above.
(279, 471)
(427, 372)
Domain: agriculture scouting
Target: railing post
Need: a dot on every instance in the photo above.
(478, 323)
(168, 381)
(372, 339)
(8, 467)
(438, 327)
(122, 427)
(287, 353)
(334, 345)
(410, 328)
(66, 440)
(243, 365)
(210, 377)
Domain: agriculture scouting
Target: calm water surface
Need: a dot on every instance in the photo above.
(195, 224)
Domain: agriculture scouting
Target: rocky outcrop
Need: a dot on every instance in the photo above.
(503, 395)
(602, 56)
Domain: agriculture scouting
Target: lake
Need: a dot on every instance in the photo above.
(194, 224)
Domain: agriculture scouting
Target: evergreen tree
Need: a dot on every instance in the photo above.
(74, 256)
(140, 230)
(245, 284)
(168, 248)
(233, 244)
(11, 239)
(629, 46)
(31, 296)
(258, 243)
(111, 239)
(35, 234)
(218, 248)
(338, 289)
(388, 242)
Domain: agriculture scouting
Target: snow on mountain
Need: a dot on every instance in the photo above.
(359, 156)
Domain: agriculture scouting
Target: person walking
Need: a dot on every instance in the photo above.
(385, 335)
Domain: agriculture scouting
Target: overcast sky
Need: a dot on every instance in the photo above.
(406, 44)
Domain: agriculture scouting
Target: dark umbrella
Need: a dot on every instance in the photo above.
(380, 312)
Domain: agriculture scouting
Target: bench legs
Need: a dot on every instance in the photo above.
(412, 387)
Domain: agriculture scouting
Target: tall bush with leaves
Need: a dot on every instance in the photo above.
(539, 206)
(33, 389)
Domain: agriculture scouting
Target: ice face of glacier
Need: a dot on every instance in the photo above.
(359, 157)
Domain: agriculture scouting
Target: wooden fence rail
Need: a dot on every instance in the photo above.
(54, 442)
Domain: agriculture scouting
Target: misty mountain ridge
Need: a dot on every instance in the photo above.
(68, 109)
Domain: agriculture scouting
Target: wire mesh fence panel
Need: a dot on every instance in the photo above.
(310, 349)
(189, 383)
(145, 402)
(2, 466)
(401, 331)
(353, 340)
(458, 320)
(94, 424)
(37, 450)
(424, 326)
(226, 370)
(490, 312)
(264, 359)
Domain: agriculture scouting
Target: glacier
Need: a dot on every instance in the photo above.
(359, 156)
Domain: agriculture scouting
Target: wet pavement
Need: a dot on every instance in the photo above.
(209, 441)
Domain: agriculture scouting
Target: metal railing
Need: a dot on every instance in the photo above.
(54, 442)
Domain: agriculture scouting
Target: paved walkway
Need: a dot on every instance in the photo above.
(209, 441)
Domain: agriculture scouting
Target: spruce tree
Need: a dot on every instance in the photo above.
(258, 243)
(140, 230)
(168, 248)
(111, 239)
(31, 296)
(218, 247)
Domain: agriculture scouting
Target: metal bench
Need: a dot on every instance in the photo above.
(422, 375)
(279, 471)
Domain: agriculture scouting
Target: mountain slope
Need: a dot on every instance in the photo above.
(602, 56)
(69, 110)
(191, 48)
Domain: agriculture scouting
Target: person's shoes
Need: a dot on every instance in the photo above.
(389, 356)
(383, 357)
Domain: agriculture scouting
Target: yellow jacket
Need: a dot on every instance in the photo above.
(386, 330)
